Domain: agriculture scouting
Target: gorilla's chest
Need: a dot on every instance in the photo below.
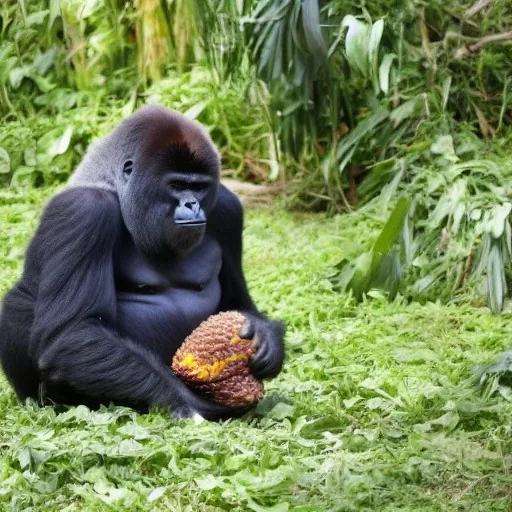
(160, 303)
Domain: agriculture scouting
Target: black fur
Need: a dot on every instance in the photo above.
(111, 287)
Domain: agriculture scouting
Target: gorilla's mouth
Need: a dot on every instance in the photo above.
(189, 223)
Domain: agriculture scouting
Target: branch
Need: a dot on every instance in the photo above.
(477, 7)
(461, 53)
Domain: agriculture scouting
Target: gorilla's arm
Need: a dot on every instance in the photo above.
(226, 225)
(73, 338)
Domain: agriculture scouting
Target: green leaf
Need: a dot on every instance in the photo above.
(346, 159)
(361, 274)
(53, 143)
(281, 411)
(54, 13)
(280, 507)
(23, 9)
(446, 90)
(195, 111)
(388, 274)
(411, 108)
(390, 232)
(5, 162)
(414, 355)
(499, 218)
(269, 48)
(501, 367)
(496, 283)
(363, 129)
(385, 71)
(209, 482)
(44, 61)
(373, 52)
(156, 494)
(449, 420)
(313, 33)
(357, 43)
(24, 458)
(444, 146)
(17, 75)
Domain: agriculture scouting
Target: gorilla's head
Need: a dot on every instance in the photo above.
(165, 170)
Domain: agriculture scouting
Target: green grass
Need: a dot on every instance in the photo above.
(376, 409)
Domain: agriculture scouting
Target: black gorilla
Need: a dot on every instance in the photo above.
(139, 249)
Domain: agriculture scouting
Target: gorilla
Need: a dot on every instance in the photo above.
(141, 246)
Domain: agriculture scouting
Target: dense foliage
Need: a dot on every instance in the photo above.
(376, 409)
(395, 112)
(346, 103)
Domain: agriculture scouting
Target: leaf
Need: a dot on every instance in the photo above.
(156, 494)
(209, 482)
(375, 403)
(37, 18)
(313, 33)
(411, 108)
(422, 284)
(280, 507)
(449, 420)
(53, 143)
(44, 84)
(363, 129)
(370, 383)
(44, 61)
(446, 90)
(195, 111)
(373, 52)
(129, 447)
(388, 274)
(496, 283)
(499, 217)
(414, 355)
(384, 71)
(263, 480)
(134, 430)
(501, 367)
(17, 75)
(24, 458)
(444, 146)
(269, 48)
(357, 43)
(281, 411)
(23, 9)
(350, 402)
(362, 274)
(5, 162)
(390, 232)
(54, 13)
(346, 159)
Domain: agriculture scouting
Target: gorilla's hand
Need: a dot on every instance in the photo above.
(268, 336)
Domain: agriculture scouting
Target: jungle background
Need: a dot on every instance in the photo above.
(374, 139)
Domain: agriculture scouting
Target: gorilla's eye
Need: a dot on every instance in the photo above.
(128, 167)
(185, 185)
(180, 185)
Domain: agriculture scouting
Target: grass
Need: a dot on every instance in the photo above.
(377, 408)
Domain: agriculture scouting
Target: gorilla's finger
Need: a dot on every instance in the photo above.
(258, 363)
(247, 331)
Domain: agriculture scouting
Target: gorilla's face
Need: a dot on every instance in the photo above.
(166, 193)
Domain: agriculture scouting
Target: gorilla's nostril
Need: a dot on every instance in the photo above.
(190, 205)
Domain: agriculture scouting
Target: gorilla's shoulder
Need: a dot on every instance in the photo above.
(228, 204)
(226, 220)
(84, 200)
(80, 211)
